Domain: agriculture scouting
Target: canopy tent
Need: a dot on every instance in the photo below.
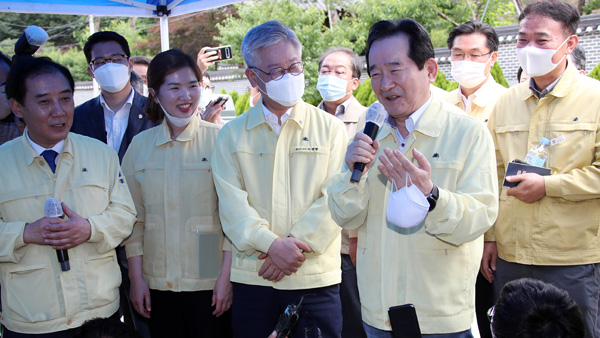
(129, 8)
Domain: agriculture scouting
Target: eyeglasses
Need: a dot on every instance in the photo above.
(277, 73)
(115, 58)
(490, 315)
(209, 87)
(456, 56)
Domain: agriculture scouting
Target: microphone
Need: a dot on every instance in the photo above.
(375, 117)
(54, 209)
(30, 41)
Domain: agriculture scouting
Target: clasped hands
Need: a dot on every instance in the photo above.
(284, 257)
(57, 232)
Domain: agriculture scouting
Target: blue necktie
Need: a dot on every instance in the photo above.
(50, 157)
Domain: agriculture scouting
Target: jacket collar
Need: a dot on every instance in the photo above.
(30, 154)
(562, 88)
(188, 134)
(430, 124)
(256, 116)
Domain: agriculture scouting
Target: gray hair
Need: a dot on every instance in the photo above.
(266, 35)
(355, 61)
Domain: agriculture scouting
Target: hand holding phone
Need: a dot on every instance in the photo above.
(223, 52)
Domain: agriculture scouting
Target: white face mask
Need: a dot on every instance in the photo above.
(178, 122)
(407, 207)
(332, 88)
(112, 77)
(469, 74)
(287, 91)
(536, 61)
(251, 102)
(205, 97)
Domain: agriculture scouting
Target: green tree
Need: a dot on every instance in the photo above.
(498, 75)
(595, 73)
(242, 103)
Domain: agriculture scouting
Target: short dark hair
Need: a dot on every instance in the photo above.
(530, 308)
(141, 60)
(475, 27)
(206, 75)
(162, 65)
(557, 10)
(355, 62)
(104, 37)
(136, 82)
(419, 42)
(28, 68)
(578, 57)
(105, 328)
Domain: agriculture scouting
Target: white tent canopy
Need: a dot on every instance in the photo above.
(128, 8)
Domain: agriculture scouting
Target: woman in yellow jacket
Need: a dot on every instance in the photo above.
(178, 264)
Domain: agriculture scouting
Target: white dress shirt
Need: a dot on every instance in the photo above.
(410, 122)
(115, 123)
(274, 120)
(39, 149)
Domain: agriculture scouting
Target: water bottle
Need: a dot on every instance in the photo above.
(538, 154)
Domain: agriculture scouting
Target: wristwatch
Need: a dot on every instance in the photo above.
(433, 197)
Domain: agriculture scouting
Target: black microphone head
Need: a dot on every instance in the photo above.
(376, 114)
(53, 208)
(30, 41)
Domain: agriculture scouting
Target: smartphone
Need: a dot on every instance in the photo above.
(223, 52)
(404, 321)
(221, 100)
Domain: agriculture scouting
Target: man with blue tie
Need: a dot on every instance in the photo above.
(40, 298)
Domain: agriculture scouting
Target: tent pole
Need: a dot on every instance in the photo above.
(164, 33)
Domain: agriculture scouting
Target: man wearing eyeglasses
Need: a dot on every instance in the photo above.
(271, 167)
(548, 226)
(114, 117)
(117, 114)
(473, 51)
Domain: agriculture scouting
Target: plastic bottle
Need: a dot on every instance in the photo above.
(538, 154)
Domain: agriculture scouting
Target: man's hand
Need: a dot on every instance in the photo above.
(286, 254)
(69, 234)
(531, 189)
(205, 60)
(212, 112)
(222, 295)
(489, 260)
(139, 294)
(34, 232)
(362, 150)
(394, 165)
(268, 270)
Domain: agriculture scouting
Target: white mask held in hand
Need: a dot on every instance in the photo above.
(177, 121)
(469, 74)
(407, 207)
(112, 77)
(287, 91)
(536, 61)
(332, 88)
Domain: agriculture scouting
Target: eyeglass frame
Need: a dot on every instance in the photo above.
(471, 56)
(109, 60)
(270, 73)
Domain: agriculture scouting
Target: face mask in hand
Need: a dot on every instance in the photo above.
(407, 207)
(112, 77)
